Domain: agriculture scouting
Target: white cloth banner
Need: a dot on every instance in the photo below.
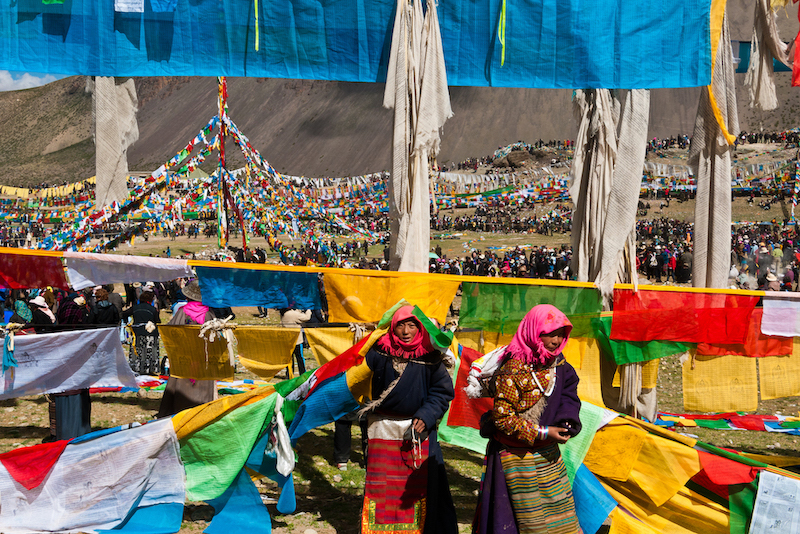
(78, 359)
(96, 484)
(776, 509)
(781, 316)
(88, 270)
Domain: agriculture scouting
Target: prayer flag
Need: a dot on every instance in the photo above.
(500, 307)
(681, 316)
(25, 271)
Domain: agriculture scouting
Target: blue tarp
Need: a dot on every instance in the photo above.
(548, 43)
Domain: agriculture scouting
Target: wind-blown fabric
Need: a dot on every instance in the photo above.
(191, 356)
(597, 111)
(53, 363)
(114, 113)
(416, 88)
(765, 44)
(88, 270)
(26, 270)
(618, 242)
(710, 156)
(98, 484)
(266, 350)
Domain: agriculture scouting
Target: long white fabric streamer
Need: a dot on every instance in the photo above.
(416, 87)
(79, 359)
(95, 485)
(88, 270)
(765, 44)
(710, 155)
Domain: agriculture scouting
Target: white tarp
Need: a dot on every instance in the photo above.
(96, 484)
(78, 359)
(85, 269)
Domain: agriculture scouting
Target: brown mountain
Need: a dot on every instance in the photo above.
(316, 128)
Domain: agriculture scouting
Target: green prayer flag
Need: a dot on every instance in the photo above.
(713, 423)
(623, 352)
(501, 307)
(741, 500)
(214, 455)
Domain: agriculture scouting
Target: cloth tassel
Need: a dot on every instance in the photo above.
(223, 329)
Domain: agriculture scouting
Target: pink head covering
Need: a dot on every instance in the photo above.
(419, 346)
(527, 345)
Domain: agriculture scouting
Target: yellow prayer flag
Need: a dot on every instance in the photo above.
(471, 340)
(779, 376)
(191, 356)
(589, 388)
(265, 350)
(363, 299)
(720, 384)
(328, 342)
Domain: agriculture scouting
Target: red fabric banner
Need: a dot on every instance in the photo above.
(678, 316)
(30, 465)
(463, 410)
(796, 62)
(756, 344)
(21, 271)
(339, 364)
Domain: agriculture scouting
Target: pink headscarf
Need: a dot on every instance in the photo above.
(419, 346)
(527, 345)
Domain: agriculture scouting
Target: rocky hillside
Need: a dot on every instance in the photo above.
(324, 128)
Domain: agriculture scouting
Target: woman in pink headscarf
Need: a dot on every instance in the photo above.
(525, 486)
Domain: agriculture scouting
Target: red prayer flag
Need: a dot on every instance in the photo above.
(463, 410)
(23, 271)
(756, 344)
(796, 62)
(30, 465)
(339, 364)
(681, 316)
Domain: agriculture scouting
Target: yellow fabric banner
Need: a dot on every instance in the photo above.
(613, 454)
(686, 512)
(265, 350)
(660, 469)
(654, 490)
(720, 384)
(780, 375)
(364, 299)
(471, 340)
(622, 523)
(584, 355)
(328, 342)
(191, 356)
(492, 340)
(193, 419)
